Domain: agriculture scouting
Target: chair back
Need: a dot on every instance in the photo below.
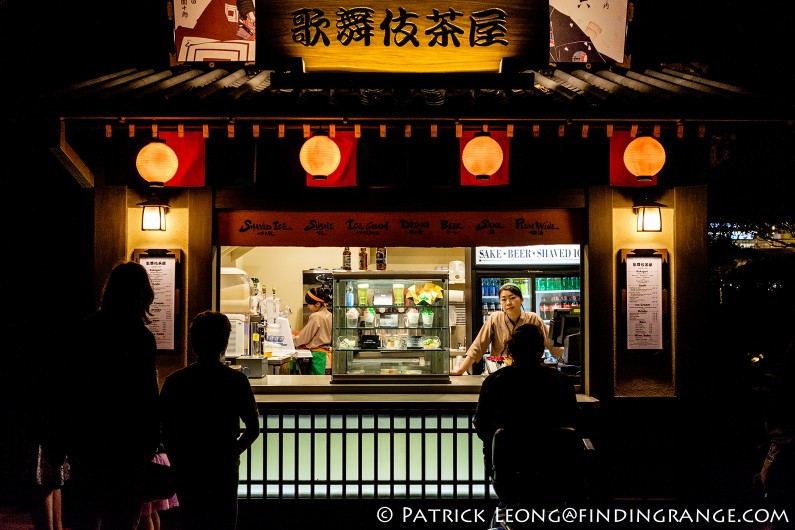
(540, 469)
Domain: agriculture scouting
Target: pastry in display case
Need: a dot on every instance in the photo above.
(390, 327)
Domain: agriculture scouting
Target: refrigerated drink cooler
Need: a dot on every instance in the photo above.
(550, 281)
(543, 292)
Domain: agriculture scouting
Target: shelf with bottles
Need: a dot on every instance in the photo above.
(557, 283)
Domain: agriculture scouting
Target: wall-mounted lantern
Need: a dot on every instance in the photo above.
(154, 214)
(649, 216)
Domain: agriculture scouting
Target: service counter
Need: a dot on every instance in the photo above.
(367, 441)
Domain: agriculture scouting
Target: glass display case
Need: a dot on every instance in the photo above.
(390, 327)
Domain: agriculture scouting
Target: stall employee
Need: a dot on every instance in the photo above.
(316, 335)
(499, 326)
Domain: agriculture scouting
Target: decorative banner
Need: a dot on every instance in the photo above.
(619, 175)
(214, 30)
(584, 31)
(500, 178)
(345, 175)
(190, 151)
(398, 229)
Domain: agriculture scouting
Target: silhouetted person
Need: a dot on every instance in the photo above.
(113, 420)
(201, 407)
(776, 479)
(533, 403)
(51, 468)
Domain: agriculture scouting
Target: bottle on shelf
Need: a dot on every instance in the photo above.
(575, 302)
(544, 308)
(346, 259)
(380, 258)
(565, 302)
(349, 296)
(363, 259)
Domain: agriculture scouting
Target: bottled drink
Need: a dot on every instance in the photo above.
(555, 302)
(346, 259)
(362, 259)
(575, 302)
(349, 296)
(544, 308)
(380, 258)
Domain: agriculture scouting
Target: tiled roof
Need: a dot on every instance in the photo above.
(234, 92)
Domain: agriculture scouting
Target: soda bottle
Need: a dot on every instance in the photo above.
(575, 302)
(362, 259)
(544, 308)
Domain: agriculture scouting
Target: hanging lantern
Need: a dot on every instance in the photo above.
(157, 163)
(320, 156)
(644, 157)
(482, 156)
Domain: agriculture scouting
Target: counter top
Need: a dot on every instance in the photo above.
(321, 384)
(298, 389)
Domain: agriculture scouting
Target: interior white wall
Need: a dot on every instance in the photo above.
(281, 267)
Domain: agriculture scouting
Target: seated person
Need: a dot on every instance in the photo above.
(531, 402)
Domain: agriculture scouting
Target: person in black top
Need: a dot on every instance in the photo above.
(111, 419)
(534, 404)
(201, 407)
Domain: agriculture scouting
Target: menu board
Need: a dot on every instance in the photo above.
(644, 303)
(162, 273)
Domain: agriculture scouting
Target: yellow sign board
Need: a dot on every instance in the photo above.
(417, 36)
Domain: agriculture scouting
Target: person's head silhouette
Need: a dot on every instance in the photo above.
(128, 292)
(209, 335)
(526, 345)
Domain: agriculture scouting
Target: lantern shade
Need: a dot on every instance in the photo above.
(320, 156)
(157, 163)
(482, 156)
(153, 218)
(644, 157)
(154, 213)
(649, 219)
